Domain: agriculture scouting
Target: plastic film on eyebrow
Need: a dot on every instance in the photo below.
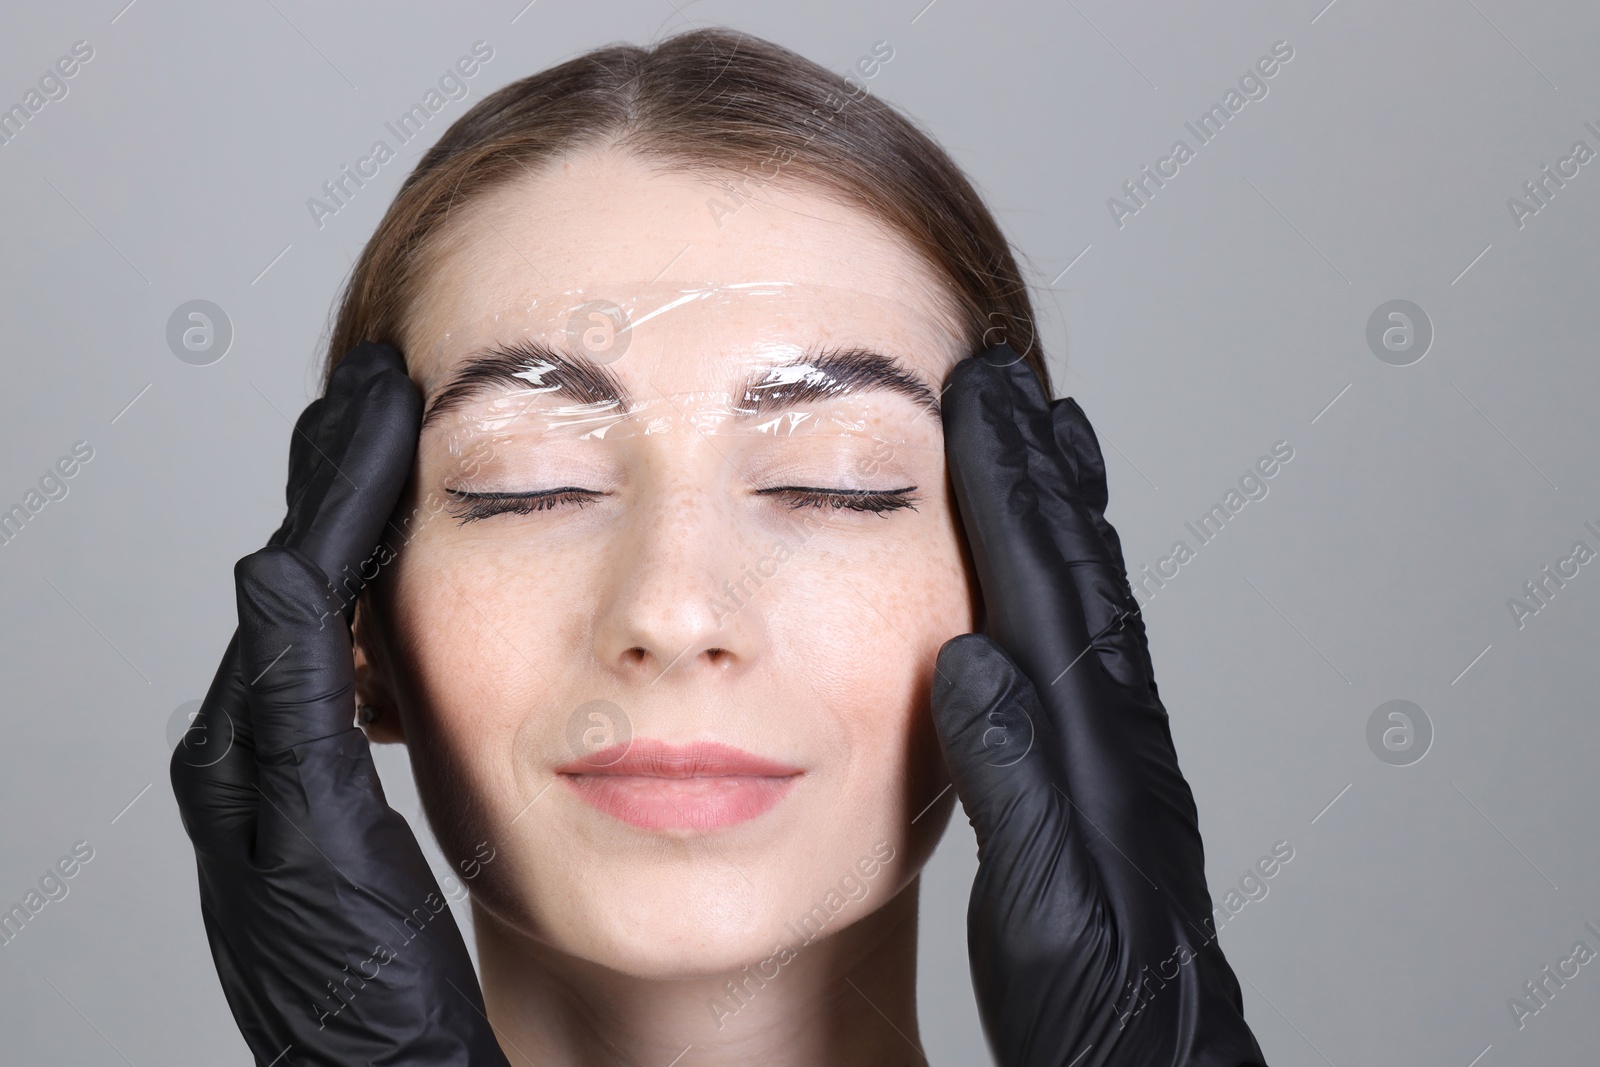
(519, 413)
(581, 367)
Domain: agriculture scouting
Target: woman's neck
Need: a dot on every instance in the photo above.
(846, 1000)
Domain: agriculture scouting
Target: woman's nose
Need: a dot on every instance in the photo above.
(669, 606)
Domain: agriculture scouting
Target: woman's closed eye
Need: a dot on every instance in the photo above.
(878, 501)
(471, 506)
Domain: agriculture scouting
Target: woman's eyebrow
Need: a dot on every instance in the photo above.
(531, 367)
(534, 367)
(829, 373)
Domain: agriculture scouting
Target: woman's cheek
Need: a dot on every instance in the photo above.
(870, 625)
(932, 602)
(486, 626)
(883, 628)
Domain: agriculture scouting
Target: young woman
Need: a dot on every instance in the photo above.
(719, 421)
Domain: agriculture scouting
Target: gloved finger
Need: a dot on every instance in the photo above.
(1009, 483)
(1114, 613)
(213, 767)
(1037, 880)
(358, 464)
(318, 429)
(316, 432)
(305, 456)
(1066, 480)
(1081, 447)
(294, 656)
(1069, 498)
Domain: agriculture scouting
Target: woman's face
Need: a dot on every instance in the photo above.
(675, 563)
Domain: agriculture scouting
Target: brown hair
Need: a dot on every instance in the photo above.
(717, 102)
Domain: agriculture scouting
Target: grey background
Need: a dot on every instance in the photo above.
(1223, 317)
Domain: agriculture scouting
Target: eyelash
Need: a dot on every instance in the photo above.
(475, 506)
(877, 501)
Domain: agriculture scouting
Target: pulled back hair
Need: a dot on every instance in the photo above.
(718, 103)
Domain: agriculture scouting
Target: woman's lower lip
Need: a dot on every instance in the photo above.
(655, 803)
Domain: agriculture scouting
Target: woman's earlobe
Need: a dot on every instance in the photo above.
(380, 722)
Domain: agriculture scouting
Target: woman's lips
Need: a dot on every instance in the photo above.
(656, 786)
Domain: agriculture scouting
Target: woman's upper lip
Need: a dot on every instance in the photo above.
(649, 758)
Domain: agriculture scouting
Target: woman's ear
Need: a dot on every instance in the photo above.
(378, 713)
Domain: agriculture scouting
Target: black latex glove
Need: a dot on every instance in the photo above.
(1089, 928)
(331, 938)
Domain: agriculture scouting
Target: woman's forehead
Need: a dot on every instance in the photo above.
(645, 270)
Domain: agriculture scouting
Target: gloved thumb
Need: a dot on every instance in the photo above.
(997, 742)
(1038, 898)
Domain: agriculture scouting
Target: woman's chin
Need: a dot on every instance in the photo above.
(699, 921)
(684, 946)
(680, 955)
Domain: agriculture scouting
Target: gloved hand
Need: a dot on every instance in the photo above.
(331, 938)
(1089, 927)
